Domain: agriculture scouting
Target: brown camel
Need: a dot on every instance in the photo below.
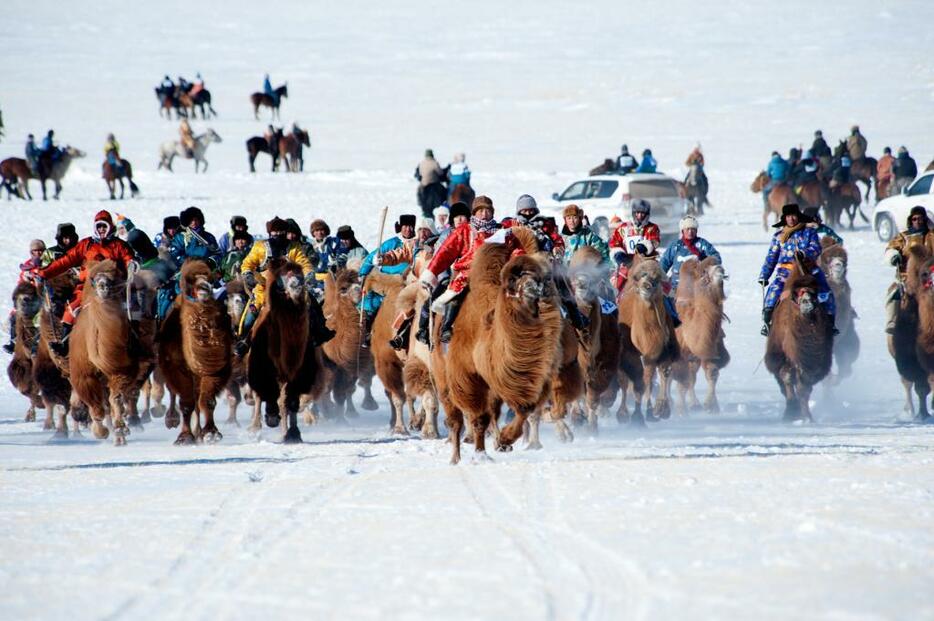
(699, 302)
(833, 262)
(101, 366)
(567, 386)
(15, 174)
(903, 342)
(780, 195)
(506, 343)
(416, 367)
(26, 305)
(237, 388)
(283, 362)
(195, 351)
(799, 349)
(342, 294)
(387, 362)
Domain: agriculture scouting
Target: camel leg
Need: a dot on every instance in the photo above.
(430, 408)
(909, 407)
(804, 396)
(712, 373)
(349, 410)
(256, 424)
(786, 381)
(185, 436)
(648, 377)
(132, 412)
(206, 404)
(369, 403)
(535, 443)
(49, 423)
(172, 418)
(479, 424)
(923, 389)
(454, 420)
(512, 432)
(416, 418)
(292, 435)
(693, 368)
(61, 422)
(120, 429)
(663, 400)
(682, 397)
(233, 400)
(98, 428)
(397, 422)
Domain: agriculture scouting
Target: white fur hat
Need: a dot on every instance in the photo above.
(688, 222)
(426, 223)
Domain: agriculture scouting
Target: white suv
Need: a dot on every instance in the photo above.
(605, 196)
(890, 215)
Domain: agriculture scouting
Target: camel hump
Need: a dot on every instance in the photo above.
(382, 283)
(827, 241)
(918, 252)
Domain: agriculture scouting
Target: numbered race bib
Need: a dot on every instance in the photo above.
(631, 241)
(607, 306)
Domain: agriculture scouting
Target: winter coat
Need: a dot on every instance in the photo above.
(899, 245)
(256, 261)
(89, 249)
(695, 157)
(185, 244)
(32, 152)
(230, 265)
(267, 88)
(677, 253)
(393, 243)
(325, 251)
(628, 235)
(355, 253)
(580, 238)
(648, 165)
(802, 239)
(777, 169)
(885, 169)
(905, 167)
(820, 148)
(457, 253)
(856, 145)
(225, 245)
(51, 254)
(825, 231)
(545, 229)
(47, 145)
(626, 163)
(112, 145)
(428, 172)
(458, 174)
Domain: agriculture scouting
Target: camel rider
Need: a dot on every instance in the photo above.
(187, 138)
(818, 225)
(65, 239)
(777, 170)
(112, 154)
(639, 236)
(276, 246)
(192, 240)
(793, 237)
(170, 226)
(545, 229)
(348, 248)
(425, 240)
(237, 224)
(577, 235)
(123, 225)
(457, 173)
(32, 154)
(102, 245)
(26, 270)
(918, 233)
(405, 236)
(648, 165)
(689, 247)
(856, 144)
(324, 248)
(626, 163)
(240, 244)
(885, 173)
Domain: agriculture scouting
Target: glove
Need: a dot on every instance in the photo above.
(764, 282)
(642, 249)
(619, 258)
(310, 281)
(377, 260)
(249, 279)
(428, 280)
(896, 259)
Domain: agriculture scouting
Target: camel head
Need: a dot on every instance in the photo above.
(26, 300)
(587, 275)
(805, 297)
(236, 304)
(105, 284)
(290, 280)
(836, 270)
(646, 277)
(196, 281)
(712, 278)
(526, 280)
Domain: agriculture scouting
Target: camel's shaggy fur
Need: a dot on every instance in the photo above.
(416, 372)
(237, 387)
(26, 305)
(833, 262)
(342, 293)
(195, 352)
(699, 302)
(903, 343)
(283, 361)
(507, 341)
(101, 366)
(646, 330)
(388, 363)
(799, 348)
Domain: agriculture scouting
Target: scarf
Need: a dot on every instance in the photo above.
(788, 231)
(483, 226)
(689, 244)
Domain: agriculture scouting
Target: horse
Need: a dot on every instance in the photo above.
(201, 99)
(16, 174)
(431, 196)
(112, 176)
(172, 148)
(780, 194)
(168, 102)
(862, 170)
(845, 198)
(696, 187)
(54, 168)
(462, 192)
(290, 149)
(262, 99)
(813, 194)
(259, 144)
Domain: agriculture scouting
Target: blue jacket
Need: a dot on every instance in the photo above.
(267, 87)
(32, 152)
(325, 254)
(390, 244)
(583, 237)
(185, 245)
(805, 240)
(677, 253)
(777, 168)
(47, 144)
(648, 165)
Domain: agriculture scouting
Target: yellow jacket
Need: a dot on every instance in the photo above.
(255, 261)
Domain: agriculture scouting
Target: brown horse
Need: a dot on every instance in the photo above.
(862, 170)
(262, 99)
(699, 301)
(813, 194)
(290, 149)
(101, 366)
(781, 194)
(112, 177)
(833, 262)
(463, 193)
(903, 342)
(195, 351)
(283, 362)
(259, 144)
(845, 198)
(799, 348)
(16, 175)
(26, 306)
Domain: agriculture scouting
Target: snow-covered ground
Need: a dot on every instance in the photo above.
(735, 516)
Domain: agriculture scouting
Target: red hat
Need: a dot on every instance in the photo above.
(104, 216)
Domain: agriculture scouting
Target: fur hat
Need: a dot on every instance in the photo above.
(429, 153)
(615, 223)
(791, 209)
(239, 221)
(319, 225)
(459, 208)
(917, 210)
(480, 202)
(688, 222)
(572, 210)
(641, 206)
(405, 219)
(277, 224)
(426, 223)
(441, 210)
(241, 235)
(36, 244)
(66, 229)
(345, 232)
(293, 227)
(170, 222)
(526, 202)
(190, 214)
(103, 216)
(141, 245)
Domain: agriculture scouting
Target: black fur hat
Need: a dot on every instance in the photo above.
(141, 245)
(791, 209)
(66, 229)
(239, 221)
(170, 222)
(459, 208)
(190, 214)
(405, 220)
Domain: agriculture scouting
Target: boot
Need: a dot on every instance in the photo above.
(242, 347)
(450, 314)
(891, 310)
(368, 319)
(766, 320)
(401, 339)
(11, 344)
(60, 347)
(422, 336)
(320, 331)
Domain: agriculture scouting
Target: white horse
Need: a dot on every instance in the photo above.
(170, 149)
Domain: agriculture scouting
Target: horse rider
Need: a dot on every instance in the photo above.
(48, 148)
(777, 170)
(269, 91)
(695, 157)
(192, 241)
(820, 148)
(841, 171)
(626, 163)
(689, 247)
(166, 89)
(792, 238)
(101, 245)
(32, 154)
(856, 144)
(905, 170)
(198, 85)
(917, 233)
(805, 172)
(648, 165)
(65, 239)
(817, 223)
(428, 173)
(576, 235)
(187, 138)
(457, 173)
(184, 86)
(112, 154)
(885, 173)
(405, 236)
(274, 247)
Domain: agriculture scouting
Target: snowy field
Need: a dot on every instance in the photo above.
(729, 516)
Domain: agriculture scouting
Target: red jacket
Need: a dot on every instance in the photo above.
(628, 235)
(89, 249)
